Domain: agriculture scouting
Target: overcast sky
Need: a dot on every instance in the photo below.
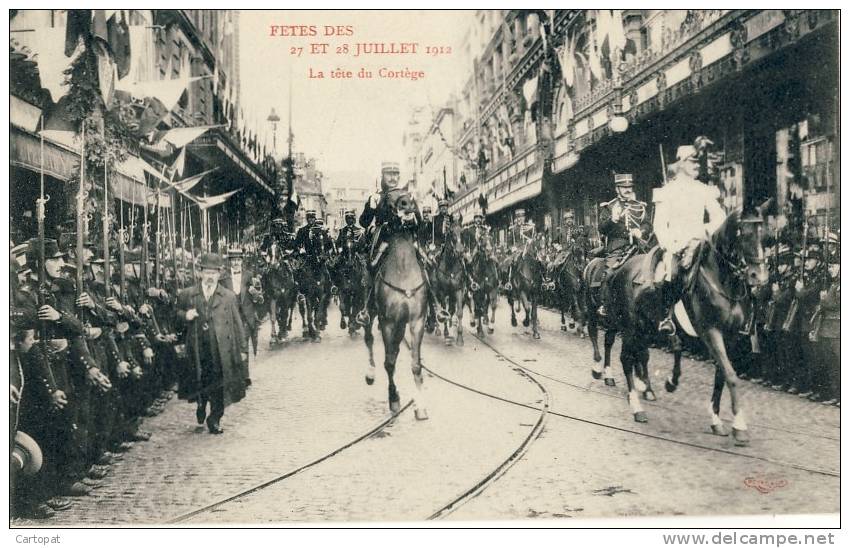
(353, 124)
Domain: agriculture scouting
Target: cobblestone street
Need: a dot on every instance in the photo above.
(592, 459)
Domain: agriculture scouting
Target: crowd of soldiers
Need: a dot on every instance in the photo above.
(88, 364)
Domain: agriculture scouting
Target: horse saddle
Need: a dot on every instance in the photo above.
(646, 274)
(595, 272)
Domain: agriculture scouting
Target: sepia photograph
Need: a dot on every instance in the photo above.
(425, 268)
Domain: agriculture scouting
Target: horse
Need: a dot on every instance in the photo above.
(309, 276)
(525, 276)
(450, 285)
(278, 281)
(350, 277)
(484, 286)
(401, 302)
(567, 284)
(716, 299)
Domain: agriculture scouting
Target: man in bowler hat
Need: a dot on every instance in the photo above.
(216, 342)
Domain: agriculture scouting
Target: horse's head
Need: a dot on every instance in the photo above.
(403, 205)
(742, 241)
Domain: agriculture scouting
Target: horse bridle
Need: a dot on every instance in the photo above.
(738, 269)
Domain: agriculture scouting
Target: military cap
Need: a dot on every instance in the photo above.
(623, 180)
(310, 213)
(442, 202)
(389, 167)
(349, 213)
(687, 153)
(478, 215)
(426, 209)
(235, 253)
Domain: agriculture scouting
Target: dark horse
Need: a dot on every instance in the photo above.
(279, 286)
(401, 302)
(313, 285)
(568, 286)
(484, 287)
(450, 279)
(350, 277)
(525, 276)
(716, 296)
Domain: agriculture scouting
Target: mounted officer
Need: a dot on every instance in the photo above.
(278, 241)
(441, 224)
(477, 235)
(426, 230)
(376, 218)
(378, 209)
(312, 240)
(687, 212)
(624, 227)
(350, 233)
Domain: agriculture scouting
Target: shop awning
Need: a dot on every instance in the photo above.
(61, 161)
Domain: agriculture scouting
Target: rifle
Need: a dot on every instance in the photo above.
(795, 304)
(41, 293)
(81, 222)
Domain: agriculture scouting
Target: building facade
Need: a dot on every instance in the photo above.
(163, 48)
(567, 97)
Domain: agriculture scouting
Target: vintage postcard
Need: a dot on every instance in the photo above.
(430, 267)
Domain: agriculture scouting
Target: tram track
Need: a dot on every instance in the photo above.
(506, 464)
(294, 472)
(599, 424)
(657, 405)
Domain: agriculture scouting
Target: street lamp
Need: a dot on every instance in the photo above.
(274, 119)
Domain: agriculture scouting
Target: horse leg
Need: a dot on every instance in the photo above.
(392, 335)
(526, 321)
(368, 338)
(610, 337)
(511, 306)
(563, 319)
(273, 319)
(717, 426)
(672, 381)
(593, 333)
(535, 332)
(459, 299)
(344, 305)
(629, 361)
(643, 370)
(714, 340)
(417, 330)
(494, 302)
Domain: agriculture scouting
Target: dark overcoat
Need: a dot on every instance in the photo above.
(229, 334)
(247, 302)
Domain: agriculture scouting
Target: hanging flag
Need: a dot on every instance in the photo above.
(181, 136)
(76, 29)
(206, 202)
(141, 50)
(48, 47)
(188, 183)
(179, 165)
(98, 25)
(151, 100)
(529, 92)
(118, 33)
(106, 70)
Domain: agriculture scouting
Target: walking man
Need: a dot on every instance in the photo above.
(216, 342)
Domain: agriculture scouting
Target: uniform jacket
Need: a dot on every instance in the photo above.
(617, 232)
(226, 321)
(680, 210)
